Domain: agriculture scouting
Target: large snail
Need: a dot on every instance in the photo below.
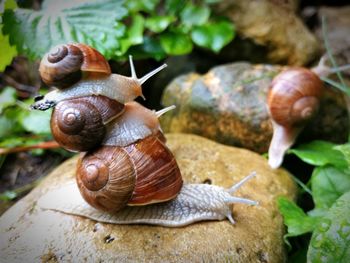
(293, 99)
(127, 174)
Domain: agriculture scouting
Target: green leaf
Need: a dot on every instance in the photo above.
(141, 5)
(214, 35)
(172, 7)
(194, 15)
(150, 48)
(328, 183)
(135, 31)
(158, 24)
(7, 53)
(345, 150)
(7, 4)
(295, 219)
(176, 43)
(320, 153)
(91, 22)
(37, 122)
(330, 241)
(7, 97)
(8, 195)
(9, 122)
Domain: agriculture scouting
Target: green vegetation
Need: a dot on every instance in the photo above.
(329, 220)
(144, 28)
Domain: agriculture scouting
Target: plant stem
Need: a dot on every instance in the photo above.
(41, 145)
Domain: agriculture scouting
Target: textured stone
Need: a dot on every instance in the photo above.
(30, 234)
(228, 105)
(275, 25)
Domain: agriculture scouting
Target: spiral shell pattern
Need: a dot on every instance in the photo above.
(294, 96)
(63, 65)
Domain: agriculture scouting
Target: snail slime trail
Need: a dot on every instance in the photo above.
(126, 173)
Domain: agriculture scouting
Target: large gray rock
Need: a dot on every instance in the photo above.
(228, 105)
(30, 234)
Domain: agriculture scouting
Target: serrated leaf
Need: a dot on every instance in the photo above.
(194, 15)
(320, 153)
(91, 22)
(158, 24)
(37, 122)
(7, 97)
(328, 183)
(176, 43)
(214, 35)
(330, 241)
(295, 219)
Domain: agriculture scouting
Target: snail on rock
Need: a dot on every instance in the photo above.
(126, 173)
(293, 99)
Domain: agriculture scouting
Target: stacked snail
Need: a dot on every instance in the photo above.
(125, 161)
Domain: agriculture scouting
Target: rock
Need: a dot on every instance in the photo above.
(338, 24)
(228, 105)
(30, 234)
(274, 25)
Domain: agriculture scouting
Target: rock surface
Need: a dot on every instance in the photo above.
(274, 24)
(228, 105)
(30, 234)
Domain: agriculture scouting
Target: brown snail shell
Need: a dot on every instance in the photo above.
(65, 64)
(79, 124)
(138, 174)
(294, 96)
(293, 99)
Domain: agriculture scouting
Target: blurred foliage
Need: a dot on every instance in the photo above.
(19, 125)
(144, 28)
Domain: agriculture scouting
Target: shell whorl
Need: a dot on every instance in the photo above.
(79, 124)
(63, 65)
(294, 96)
(146, 172)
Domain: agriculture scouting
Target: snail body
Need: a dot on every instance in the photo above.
(194, 203)
(127, 174)
(293, 99)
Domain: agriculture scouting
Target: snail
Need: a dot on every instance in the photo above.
(293, 100)
(127, 175)
(194, 203)
(98, 79)
(80, 124)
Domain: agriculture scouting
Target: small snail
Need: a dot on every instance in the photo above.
(293, 99)
(98, 81)
(127, 173)
(64, 65)
(80, 124)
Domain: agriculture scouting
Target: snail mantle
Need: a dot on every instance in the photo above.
(30, 233)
